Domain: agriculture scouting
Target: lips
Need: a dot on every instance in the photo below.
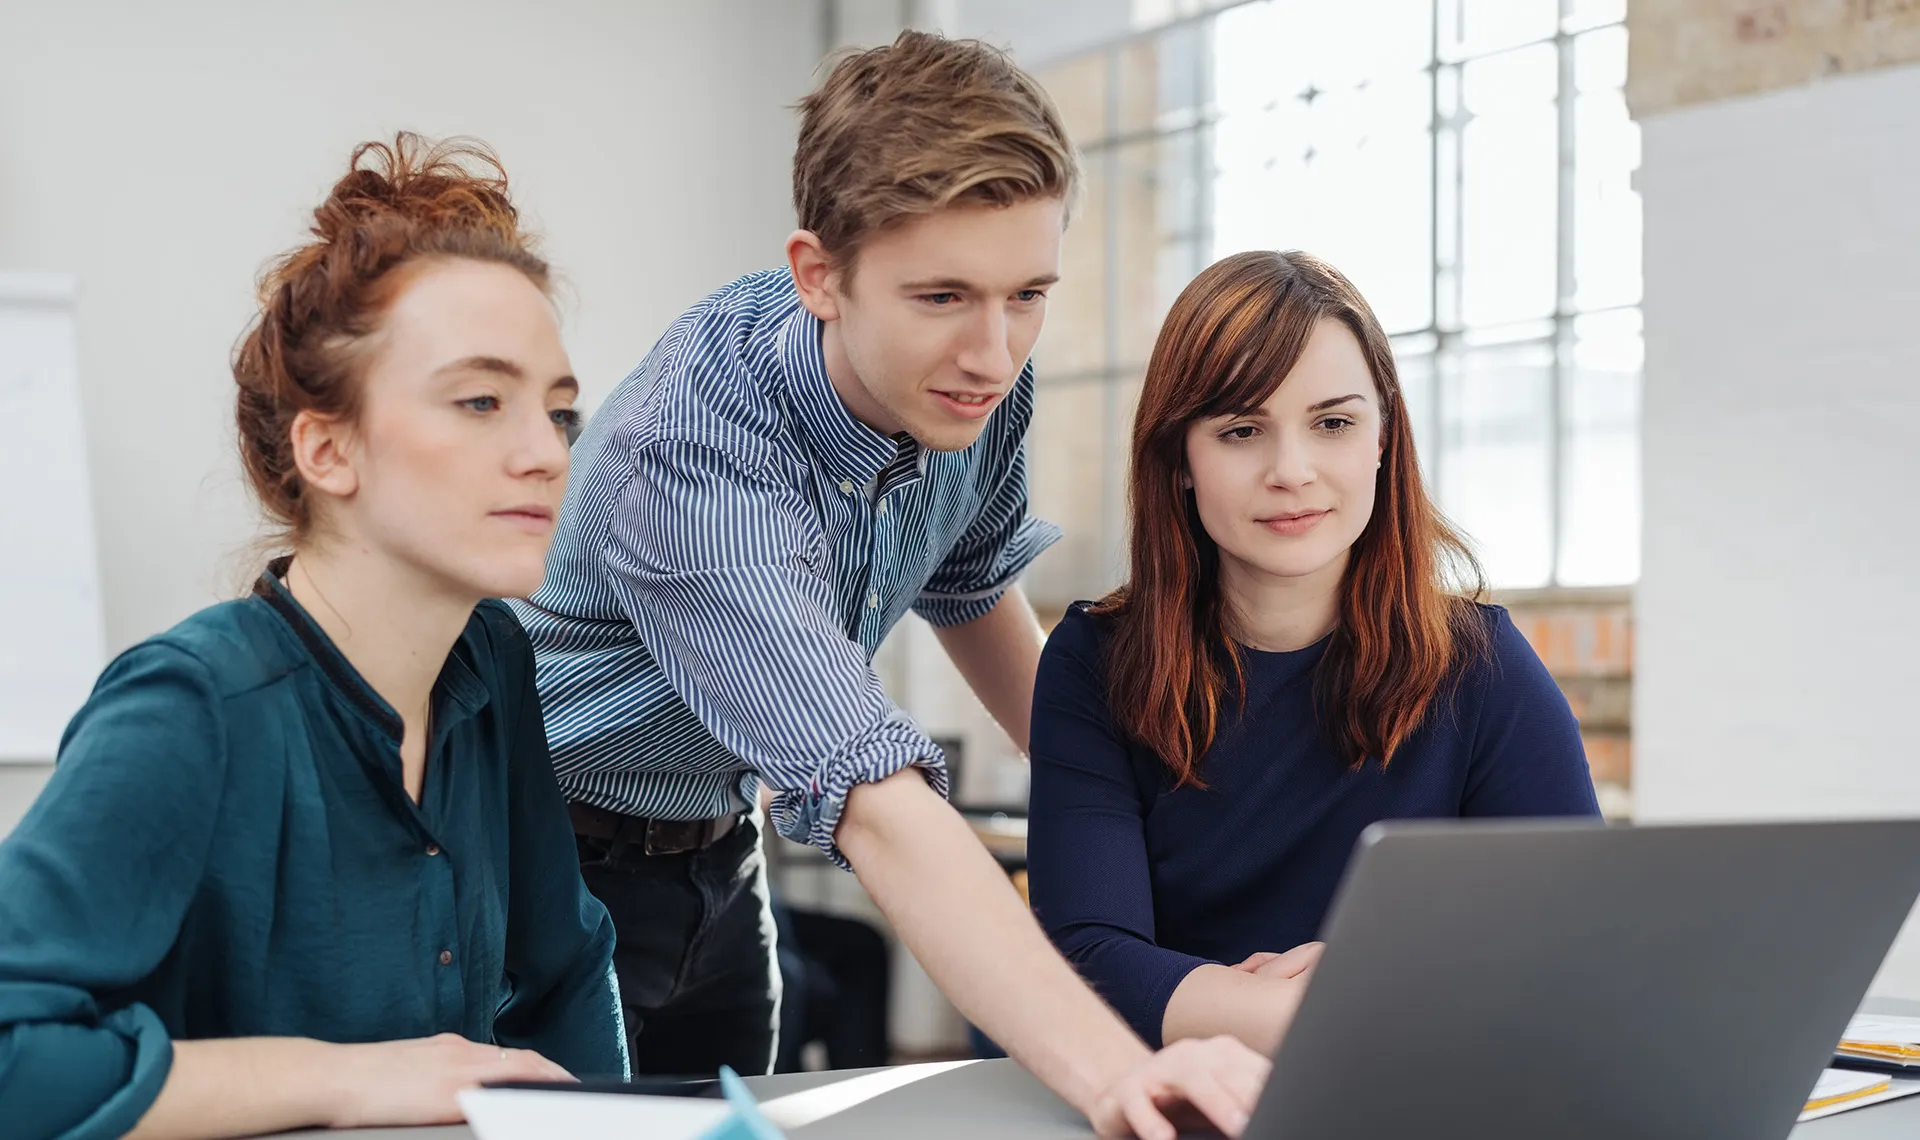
(1293, 523)
(969, 405)
(533, 518)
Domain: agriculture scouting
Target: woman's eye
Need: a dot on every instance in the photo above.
(1244, 431)
(482, 404)
(1335, 424)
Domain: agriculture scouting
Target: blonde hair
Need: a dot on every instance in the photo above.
(901, 131)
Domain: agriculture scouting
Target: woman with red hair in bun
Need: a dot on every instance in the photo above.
(302, 860)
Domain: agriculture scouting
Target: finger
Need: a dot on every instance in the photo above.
(1255, 961)
(524, 1065)
(1245, 1080)
(1144, 1117)
(1227, 1110)
(539, 1063)
(1296, 961)
(1300, 958)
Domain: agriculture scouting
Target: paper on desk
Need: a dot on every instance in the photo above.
(1882, 1028)
(1844, 1083)
(796, 1110)
(527, 1114)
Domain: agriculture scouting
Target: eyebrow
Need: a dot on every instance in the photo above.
(503, 367)
(1337, 401)
(956, 285)
(484, 364)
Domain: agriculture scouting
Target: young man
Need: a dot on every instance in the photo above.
(806, 455)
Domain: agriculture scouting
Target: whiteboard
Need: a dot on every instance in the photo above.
(52, 637)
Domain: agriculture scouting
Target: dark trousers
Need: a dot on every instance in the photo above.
(694, 953)
(836, 974)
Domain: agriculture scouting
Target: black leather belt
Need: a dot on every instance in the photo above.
(653, 836)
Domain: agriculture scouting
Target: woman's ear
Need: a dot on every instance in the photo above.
(323, 454)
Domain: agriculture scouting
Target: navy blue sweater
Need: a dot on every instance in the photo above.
(1138, 884)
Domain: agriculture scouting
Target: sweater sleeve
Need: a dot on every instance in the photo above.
(1527, 756)
(1086, 848)
(94, 884)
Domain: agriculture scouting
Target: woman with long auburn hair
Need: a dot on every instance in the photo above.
(1298, 652)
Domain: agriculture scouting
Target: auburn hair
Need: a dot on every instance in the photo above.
(398, 204)
(1226, 346)
(896, 132)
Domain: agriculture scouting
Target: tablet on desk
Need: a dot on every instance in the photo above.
(706, 1087)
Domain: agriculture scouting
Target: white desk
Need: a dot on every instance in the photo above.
(999, 1099)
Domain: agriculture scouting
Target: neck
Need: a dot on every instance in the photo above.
(1279, 615)
(846, 383)
(391, 623)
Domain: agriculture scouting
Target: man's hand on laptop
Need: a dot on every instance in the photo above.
(1197, 1083)
(1295, 963)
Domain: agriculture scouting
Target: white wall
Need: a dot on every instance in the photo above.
(1779, 620)
(1035, 33)
(161, 153)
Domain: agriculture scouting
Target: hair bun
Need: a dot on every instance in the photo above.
(416, 182)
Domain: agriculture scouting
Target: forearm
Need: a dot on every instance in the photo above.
(965, 924)
(998, 654)
(1214, 1000)
(242, 1086)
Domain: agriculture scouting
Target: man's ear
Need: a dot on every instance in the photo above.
(813, 274)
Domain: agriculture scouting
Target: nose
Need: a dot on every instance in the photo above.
(539, 446)
(1289, 461)
(985, 353)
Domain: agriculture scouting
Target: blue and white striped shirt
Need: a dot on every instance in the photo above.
(734, 547)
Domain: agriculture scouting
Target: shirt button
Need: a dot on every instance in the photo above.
(883, 506)
(433, 849)
(873, 601)
(846, 486)
(446, 957)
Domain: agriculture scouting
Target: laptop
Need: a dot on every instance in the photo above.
(1577, 981)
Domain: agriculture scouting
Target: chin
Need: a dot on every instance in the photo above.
(1295, 564)
(948, 436)
(499, 575)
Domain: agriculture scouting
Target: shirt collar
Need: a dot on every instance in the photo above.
(457, 694)
(842, 444)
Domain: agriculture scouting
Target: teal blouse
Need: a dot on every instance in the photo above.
(225, 849)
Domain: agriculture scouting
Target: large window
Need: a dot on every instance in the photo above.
(1467, 163)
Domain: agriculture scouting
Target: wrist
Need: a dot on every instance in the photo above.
(334, 1084)
(1098, 1069)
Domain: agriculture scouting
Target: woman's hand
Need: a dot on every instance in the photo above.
(414, 1082)
(1295, 963)
(1189, 1084)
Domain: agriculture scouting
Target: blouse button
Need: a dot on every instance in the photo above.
(433, 849)
(446, 957)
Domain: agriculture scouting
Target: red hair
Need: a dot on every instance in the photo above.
(397, 205)
(1228, 343)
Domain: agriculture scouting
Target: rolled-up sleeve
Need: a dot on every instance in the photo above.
(723, 570)
(94, 883)
(994, 551)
